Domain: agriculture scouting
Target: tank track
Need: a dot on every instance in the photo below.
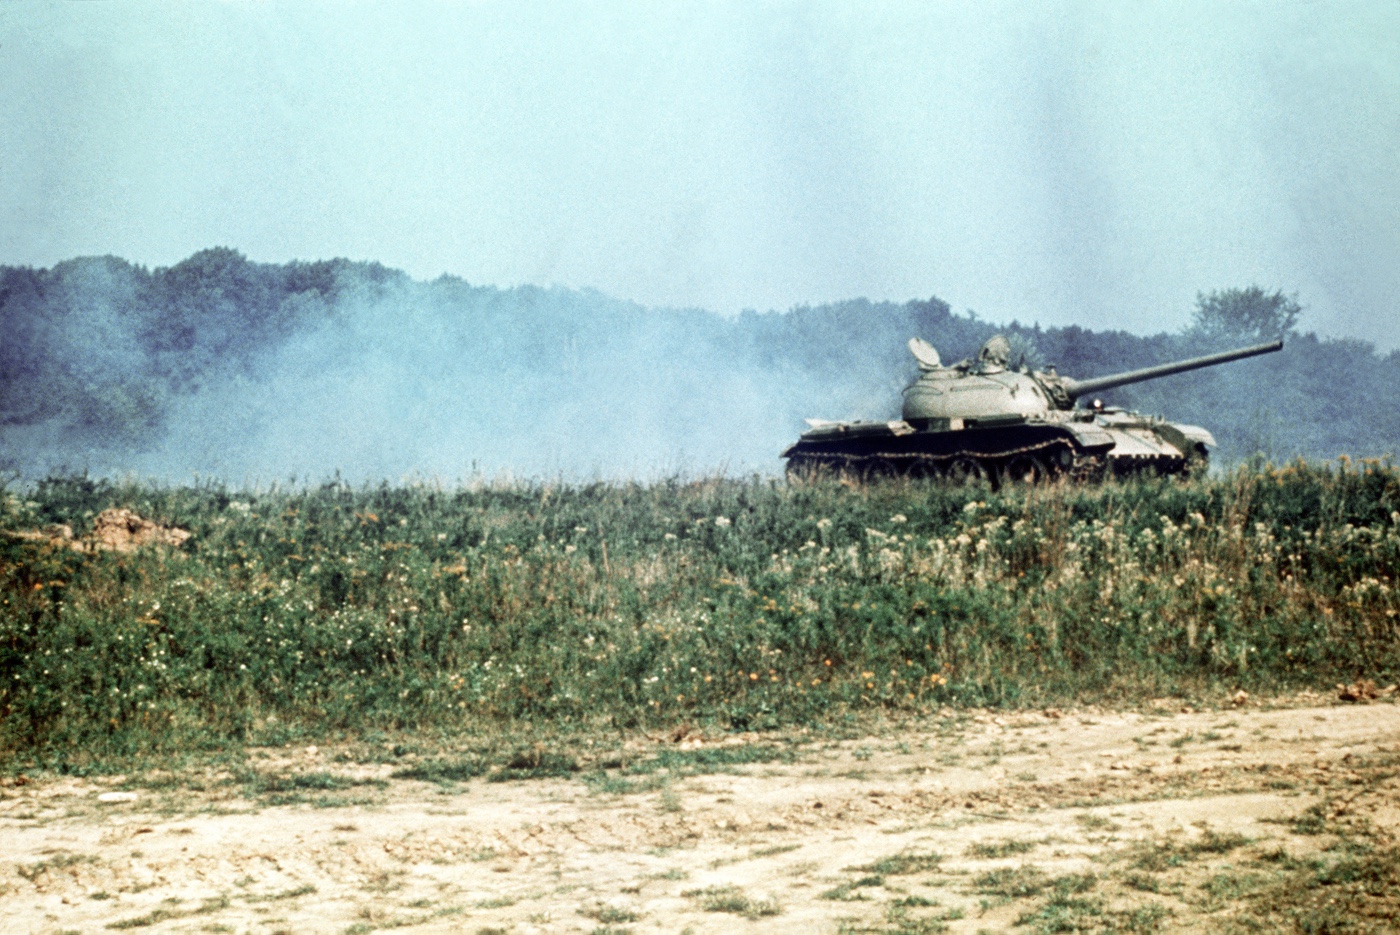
(1039, 463)
(1035, 463)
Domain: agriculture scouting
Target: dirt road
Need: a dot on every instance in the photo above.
(1157, 820)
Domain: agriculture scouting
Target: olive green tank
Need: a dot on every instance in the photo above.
(982, 420)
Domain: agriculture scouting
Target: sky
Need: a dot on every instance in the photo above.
(1080, 163)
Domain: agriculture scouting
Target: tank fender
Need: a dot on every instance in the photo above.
(1088, 435)
(1194, 433)
(825, 429)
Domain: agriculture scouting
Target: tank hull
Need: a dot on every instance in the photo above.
(1080, 446)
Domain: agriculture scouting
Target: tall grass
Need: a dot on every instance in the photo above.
(744, 603)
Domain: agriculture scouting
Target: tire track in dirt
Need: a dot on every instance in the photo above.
(1026, 813)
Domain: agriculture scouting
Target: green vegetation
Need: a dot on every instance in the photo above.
(609, 914)
(1159, 855)
(733, 899)
(290, 789)
(501, 611)
(900, 864)
(990, 850)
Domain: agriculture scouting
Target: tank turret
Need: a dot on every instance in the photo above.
(984, 419)
(985, 388)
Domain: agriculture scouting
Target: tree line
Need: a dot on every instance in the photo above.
(100, 355)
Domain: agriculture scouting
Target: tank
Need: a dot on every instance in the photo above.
(985, 421)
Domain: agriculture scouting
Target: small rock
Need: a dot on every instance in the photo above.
(1362, 690)
(109, 797)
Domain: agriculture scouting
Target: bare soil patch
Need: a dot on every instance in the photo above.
(114, 530)
(1088, 820)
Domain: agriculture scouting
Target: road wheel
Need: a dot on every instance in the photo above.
(1023, 470)
(1197, 462)
(806, 471)
(878, 471)
(1090, 469)
(921, 471)
(966, 472)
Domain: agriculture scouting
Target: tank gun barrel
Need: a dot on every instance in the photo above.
(1077, 388)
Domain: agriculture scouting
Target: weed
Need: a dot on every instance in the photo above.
(292, 893)
(609, 914)
(535, 764)
(1231, 885)
(441, 771)
(32, 872)
(1165, 853)
(754, 854)
(612, 784)
(900, 864)
(159, 915)
(385, 881)
(1312, 821)
(151, 918)
(1064, 914)
(844, 892)
(1211, 842)
(1143, 919)
(1011, 882)
(732, 899)
(995, 849)
(1142, 882)
(913, 902)
(1091, 822)
(292, 788)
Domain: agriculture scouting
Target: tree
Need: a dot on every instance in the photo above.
(1245, 315)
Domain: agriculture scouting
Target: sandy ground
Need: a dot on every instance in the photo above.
(902, 832)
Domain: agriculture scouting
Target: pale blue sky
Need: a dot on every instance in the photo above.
(1090, 163)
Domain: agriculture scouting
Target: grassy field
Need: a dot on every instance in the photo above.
(502, 610)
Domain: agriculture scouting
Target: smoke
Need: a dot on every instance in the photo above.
(254, 373)
(257, 372)
(405, 386)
